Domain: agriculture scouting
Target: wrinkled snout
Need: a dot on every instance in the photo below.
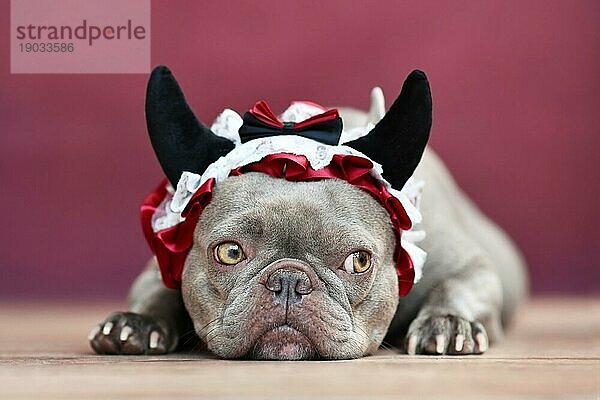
(289, 280)
(288, 285)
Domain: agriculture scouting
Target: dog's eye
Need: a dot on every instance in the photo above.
(357, 262)
(229, 253)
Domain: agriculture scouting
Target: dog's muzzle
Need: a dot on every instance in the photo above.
(289, 280)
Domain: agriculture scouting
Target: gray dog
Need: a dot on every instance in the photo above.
(307, 269)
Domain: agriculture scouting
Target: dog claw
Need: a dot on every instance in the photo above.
(440, 344)
(482, 342)
(412, 345)
(154, 336)
(107, 328)
(459, 342)
(125, 333)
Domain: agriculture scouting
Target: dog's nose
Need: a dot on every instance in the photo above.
(288, 285)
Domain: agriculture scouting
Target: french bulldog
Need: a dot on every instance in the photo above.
(291, 270)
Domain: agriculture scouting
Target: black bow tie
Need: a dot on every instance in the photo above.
(260, 122)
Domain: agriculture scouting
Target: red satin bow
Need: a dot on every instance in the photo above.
(263, 112)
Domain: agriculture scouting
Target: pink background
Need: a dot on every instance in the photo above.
(516, 116)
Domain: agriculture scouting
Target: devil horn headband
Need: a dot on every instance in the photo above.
(182, 143)
(194, 159)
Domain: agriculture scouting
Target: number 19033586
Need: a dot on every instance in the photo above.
(46, 47)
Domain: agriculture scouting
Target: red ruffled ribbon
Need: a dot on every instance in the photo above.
(172, 245)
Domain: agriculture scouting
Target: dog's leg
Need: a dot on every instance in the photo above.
(460, 298)
(155, 322)
(473, 277)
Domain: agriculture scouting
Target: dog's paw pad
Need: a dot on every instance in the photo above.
(130, 333)
(446, 335)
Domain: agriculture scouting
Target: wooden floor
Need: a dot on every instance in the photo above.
(551, 352)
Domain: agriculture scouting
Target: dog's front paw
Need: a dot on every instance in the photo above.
(447, 334)
(130, 333)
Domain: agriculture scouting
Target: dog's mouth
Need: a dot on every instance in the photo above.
(283, 343)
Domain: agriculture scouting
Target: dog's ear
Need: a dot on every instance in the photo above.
(180, 141)
(397, 141)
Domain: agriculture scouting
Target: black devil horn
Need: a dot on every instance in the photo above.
(397, 142)
(180, 141)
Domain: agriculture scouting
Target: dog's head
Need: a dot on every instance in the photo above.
(289, 270)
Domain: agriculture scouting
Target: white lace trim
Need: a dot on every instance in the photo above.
(319, 155)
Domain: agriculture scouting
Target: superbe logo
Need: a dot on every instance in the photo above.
(84, 31)
(80, 36)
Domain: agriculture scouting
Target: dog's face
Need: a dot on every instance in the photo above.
(291, 270)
